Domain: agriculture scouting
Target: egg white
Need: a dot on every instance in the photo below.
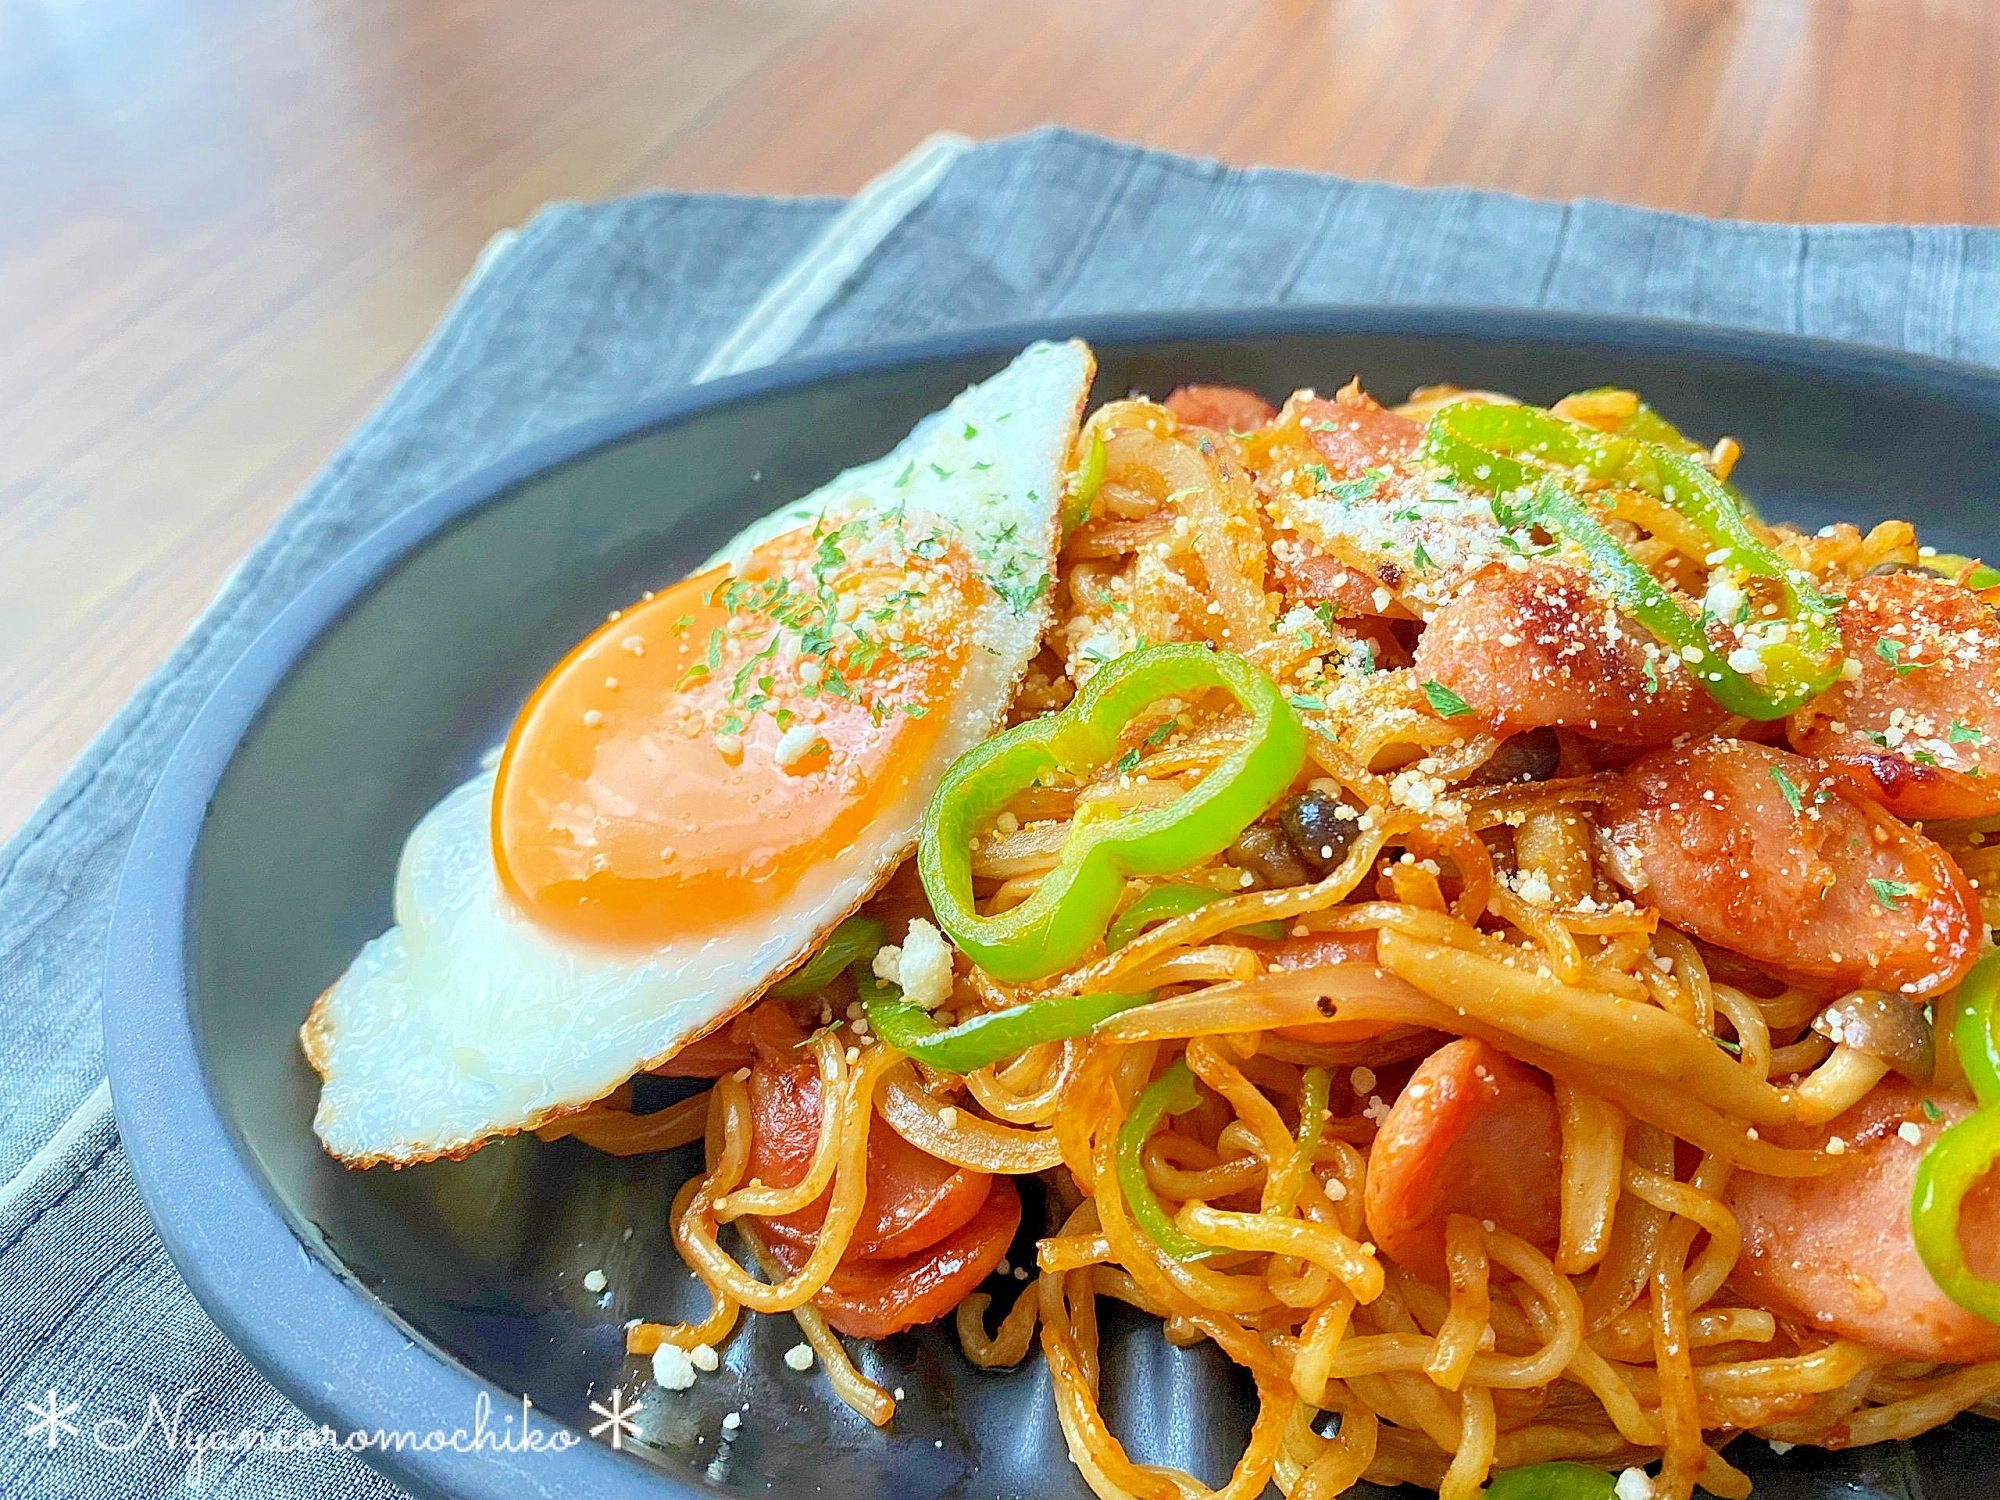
(466, 1021)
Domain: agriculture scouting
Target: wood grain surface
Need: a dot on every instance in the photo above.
(225, 224)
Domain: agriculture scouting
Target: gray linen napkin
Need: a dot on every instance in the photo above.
(593, 308)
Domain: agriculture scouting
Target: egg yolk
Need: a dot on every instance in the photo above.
(691, 760)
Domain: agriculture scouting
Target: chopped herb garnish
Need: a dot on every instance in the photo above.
(1923, 757)
(1891, 651)
(1652, 676)
(909, 473)
(940, 471)
(1964, 734)
(1307, 703)
(1020, 596)
(1785, 785)
(971, 431)
(1129, 761)
(1734, 1049)
(1877, 736)
(1889, 892)
(1422, 558)
(914, 710)
(1931, 1111)
(1354, 491)
(1445, 702)
(1323, 612)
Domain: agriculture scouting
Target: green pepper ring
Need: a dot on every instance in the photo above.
(1163, 903)
(1972, 1032)
(986, 1038)
(857, 937)
(1956, 1161)
(1552, 1481)
(1068, 913)
(1962, 1155)
(1172, 1093)
(1475, 443)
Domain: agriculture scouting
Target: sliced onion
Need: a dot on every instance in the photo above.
(967, 1140)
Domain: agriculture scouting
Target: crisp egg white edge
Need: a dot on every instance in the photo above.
(430, 1045)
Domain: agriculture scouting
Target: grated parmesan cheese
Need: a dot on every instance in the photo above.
(921, 965)
(672, 1369)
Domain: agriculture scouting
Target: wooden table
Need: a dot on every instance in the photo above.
(224, 224)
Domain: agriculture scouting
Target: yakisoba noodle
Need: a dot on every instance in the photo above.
(1501, 1044)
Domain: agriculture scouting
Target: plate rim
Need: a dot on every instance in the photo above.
(359, 1368)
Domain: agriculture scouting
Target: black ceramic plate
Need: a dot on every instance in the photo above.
(395, 1300)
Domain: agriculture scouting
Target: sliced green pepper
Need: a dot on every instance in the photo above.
(857, 937)
(1951, 564)
(1315, 1089)
(1069, 911)
(1956, 1162)
(1647, 426)
(1477, 445)
(1972, 1029)
(1960, 1158)
(1164, 902)
(1560, 1481)
(1172, 1093)
(1084, 487)
(985, 1038)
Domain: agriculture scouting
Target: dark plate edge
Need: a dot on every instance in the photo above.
(330, 1345)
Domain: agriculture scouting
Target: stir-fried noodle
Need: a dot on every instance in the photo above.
(1469, 1120)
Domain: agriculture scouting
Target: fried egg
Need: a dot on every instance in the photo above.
(703, 789)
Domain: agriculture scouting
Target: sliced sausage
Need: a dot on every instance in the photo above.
(1537, 646)
(1835, 1252)
(1473, 1132)
(1918, 725)
(1773, 857)
(1222, 408)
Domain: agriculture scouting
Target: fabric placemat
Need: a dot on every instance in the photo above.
(590, 309)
